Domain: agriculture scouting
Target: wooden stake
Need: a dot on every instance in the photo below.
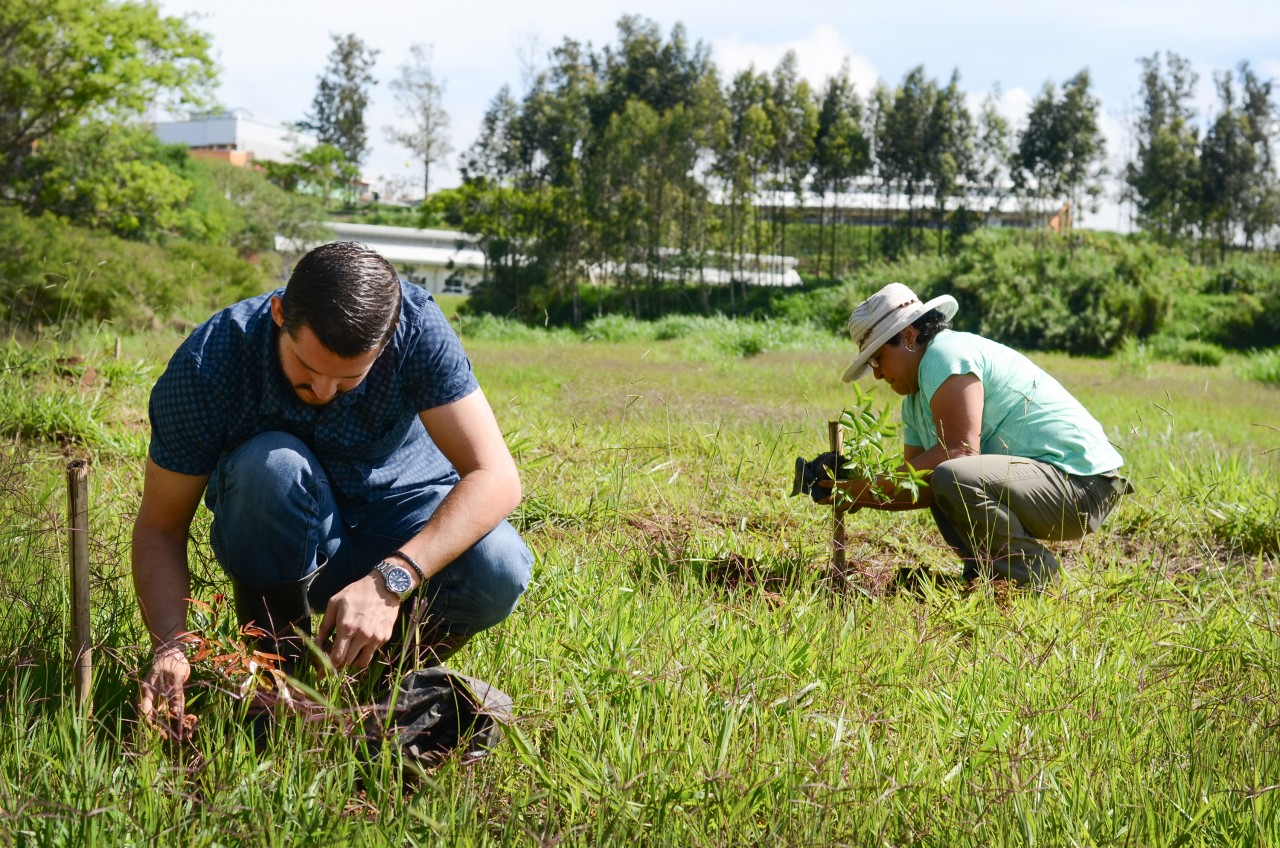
(117, 348)
(839, 566)
(81, 638)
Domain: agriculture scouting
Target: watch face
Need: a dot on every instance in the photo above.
(397, 579)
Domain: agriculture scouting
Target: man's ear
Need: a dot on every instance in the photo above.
(277, 310)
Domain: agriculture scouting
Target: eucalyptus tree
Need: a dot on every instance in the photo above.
(842, 152)
(420, 101)
(745, 139)
(1061, 150)
(993, 153)
(342, 96)
(487, 205)
(879, 107)
(557, 137)
(793, 118)
(949, 155)
(606, 146)
(1163, 178)
(676, 83)
(1262, 122)
(1238, 183)
(903, 144)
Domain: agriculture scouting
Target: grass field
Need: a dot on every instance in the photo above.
(683, 670)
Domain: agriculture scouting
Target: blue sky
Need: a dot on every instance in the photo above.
(271, 52)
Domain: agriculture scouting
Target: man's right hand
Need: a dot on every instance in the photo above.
(164, 699)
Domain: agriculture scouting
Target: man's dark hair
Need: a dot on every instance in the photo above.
(929, 325)
(347, 294)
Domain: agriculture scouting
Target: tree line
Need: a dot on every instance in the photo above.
(636, 162)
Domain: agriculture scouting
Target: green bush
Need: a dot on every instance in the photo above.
(1084, 294)
(494, 328)
(613, 328)
(54, 274)
(1186, 351)
(1262, 366)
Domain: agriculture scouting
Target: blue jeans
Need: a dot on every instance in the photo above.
(275, 520)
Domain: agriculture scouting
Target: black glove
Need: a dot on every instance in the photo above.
(809, 473)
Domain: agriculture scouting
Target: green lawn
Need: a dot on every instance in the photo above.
(683, 670)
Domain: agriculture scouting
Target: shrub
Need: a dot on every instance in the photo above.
(1083, 296)
(494, 328)
(1262, 366)
(52, 273)
(1186, 351)
(612, 328)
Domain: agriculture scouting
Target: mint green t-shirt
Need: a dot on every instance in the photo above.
(1025, 412)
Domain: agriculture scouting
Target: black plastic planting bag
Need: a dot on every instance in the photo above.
(809, 473)
(434, 712)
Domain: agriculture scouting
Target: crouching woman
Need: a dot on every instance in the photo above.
(1015, 458)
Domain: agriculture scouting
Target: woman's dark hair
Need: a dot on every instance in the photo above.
(347, 294)
(929, 325)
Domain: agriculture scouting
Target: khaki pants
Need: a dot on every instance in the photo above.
(994, 509)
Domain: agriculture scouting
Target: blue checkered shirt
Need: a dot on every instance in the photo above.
(225, 385)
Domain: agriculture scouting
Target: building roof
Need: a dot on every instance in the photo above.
(409, 245)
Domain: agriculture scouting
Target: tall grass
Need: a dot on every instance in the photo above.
(684, 671)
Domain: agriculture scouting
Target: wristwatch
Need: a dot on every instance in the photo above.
(397, 579)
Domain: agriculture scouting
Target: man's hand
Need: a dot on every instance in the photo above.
(163, 702)
(360, 620)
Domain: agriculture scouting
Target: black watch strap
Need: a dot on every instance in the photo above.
(401, 555)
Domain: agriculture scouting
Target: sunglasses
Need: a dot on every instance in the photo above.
(874, 361)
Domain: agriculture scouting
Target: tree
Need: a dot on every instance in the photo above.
(342, 95)
(793, 117)
(1060, 152)
(1262, 128)
(111, 176)
(495, 153)
(993, 152)
(1163, 178)
(902, 146)
(327, 167)
(745, 138)
(1239, 196)
(949, 153)
(63, 61)
(841, 150)
(419, 100)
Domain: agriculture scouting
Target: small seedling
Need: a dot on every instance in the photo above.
(230, 658)
(872, 452)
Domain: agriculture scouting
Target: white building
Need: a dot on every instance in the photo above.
(234, 137)
(441, 261)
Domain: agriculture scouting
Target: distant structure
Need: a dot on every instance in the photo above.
(233, 137)
(450, 262)
(865, 206)
(441, 261)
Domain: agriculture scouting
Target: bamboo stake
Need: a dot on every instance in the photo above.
(839, 567)
(81, 638)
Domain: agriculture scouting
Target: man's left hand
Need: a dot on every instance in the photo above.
(360, 619)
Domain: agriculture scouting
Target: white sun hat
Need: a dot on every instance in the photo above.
(885, 314)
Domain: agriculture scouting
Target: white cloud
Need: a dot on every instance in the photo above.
(819, 57)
